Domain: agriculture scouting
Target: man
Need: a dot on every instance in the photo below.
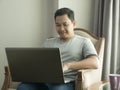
(77, 52)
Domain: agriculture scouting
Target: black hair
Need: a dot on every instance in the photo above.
(63, 11)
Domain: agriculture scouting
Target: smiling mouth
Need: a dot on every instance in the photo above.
(63, 33)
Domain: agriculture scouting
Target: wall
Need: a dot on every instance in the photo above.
(27, 23)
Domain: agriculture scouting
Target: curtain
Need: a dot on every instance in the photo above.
(106, 24)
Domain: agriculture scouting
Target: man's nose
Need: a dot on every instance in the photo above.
(62, 27)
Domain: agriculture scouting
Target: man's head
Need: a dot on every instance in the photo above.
(63, 11)
(65, 23)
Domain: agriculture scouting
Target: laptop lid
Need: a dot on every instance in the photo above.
(35, 65)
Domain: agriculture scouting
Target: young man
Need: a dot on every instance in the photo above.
(76, 52)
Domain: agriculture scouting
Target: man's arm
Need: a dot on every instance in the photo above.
(90, 62)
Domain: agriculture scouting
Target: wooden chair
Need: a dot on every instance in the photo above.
(85, 78)
(88, 77)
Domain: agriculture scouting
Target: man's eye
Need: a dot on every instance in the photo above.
(66, 24)
(57, 25)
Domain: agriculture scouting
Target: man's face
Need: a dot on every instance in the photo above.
(64, 27)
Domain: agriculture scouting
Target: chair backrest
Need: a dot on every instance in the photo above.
(98, 42)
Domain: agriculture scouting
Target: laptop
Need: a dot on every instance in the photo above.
(35, 65)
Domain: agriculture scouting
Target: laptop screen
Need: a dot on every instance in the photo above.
(35, 64)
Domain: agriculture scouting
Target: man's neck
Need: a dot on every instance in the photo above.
(66, 39)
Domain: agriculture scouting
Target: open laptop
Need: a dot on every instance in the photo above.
(35, 65)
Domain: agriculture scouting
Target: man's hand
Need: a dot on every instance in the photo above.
(65, 67)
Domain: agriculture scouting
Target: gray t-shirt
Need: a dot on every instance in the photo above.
(75, 49)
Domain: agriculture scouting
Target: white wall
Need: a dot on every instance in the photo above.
(26, 23)
(84, 11)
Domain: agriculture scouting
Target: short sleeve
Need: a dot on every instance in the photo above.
(89, 49)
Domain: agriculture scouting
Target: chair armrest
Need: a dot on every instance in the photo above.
(6, 83)
(86, 78)
(78, 81)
